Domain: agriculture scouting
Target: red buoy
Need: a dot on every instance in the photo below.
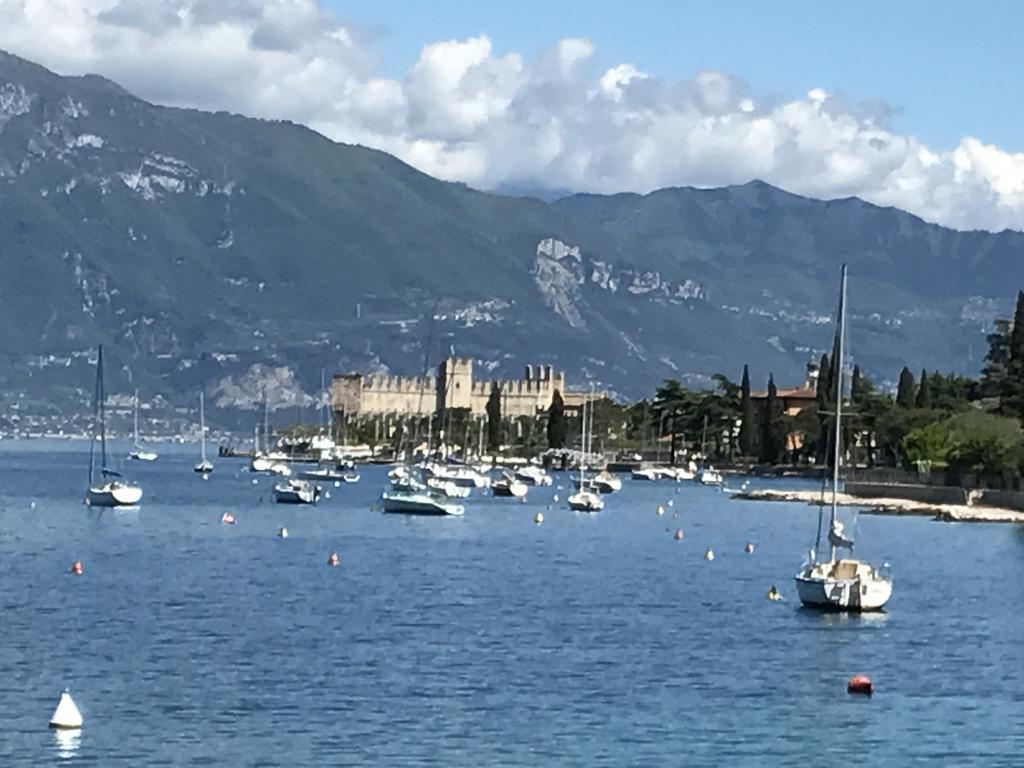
(860, 684)
(333, 560)
(76, 568)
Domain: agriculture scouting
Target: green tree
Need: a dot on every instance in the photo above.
(493, 410)
(906, 392)
(746, 416)
(823, 406)
(930, 443)
(1012, 395)
(671, 399)
(557, 427)
(771, 443)
(924, 392)
(997, 361)
(984, 442)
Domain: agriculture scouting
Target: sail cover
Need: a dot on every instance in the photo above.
(837, 538)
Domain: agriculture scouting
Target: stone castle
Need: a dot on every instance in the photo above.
(354, 394)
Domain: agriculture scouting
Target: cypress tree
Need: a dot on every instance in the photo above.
(906, 392)
(746, 416)
(494, 419)
(556, 421)
(1013, 386)
(924, 392)
(823, 403)
(769, 425)
(856, 385)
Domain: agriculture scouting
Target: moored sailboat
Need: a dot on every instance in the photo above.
(138, 454)
(842, 584)
(205, 466)
(109, 489)
(586, 499)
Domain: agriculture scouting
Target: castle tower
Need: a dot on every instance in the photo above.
(455, 383)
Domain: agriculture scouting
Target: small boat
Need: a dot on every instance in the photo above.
(138, 454)
(509, 485)
(585, 501)
(296, 492)
(607, 482)
(840, 584)
(460, 475)
(111, 490)
(645, 474)
(532, 475)
(448, 488)
(282, 470)
(419, 503)
(709, 476)
(326, 474)
(205, 466)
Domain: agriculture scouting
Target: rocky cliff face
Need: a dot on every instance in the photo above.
(198, 245)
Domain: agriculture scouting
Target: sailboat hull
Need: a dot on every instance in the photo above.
(113, 496)
(847, 585)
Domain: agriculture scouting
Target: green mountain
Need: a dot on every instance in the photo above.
(195, 245)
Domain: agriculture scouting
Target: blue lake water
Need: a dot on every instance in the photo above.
(485, 640)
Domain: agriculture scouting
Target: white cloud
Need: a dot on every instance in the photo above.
(466, 113)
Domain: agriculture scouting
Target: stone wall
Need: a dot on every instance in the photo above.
(928, 494)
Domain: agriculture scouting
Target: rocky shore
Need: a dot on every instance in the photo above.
(954, 513)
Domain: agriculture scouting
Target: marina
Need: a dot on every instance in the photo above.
(524, 634)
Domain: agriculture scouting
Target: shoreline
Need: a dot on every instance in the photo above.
(947, 513)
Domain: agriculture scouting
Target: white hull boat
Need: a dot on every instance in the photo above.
(113, 494)
(585, 501)
(843, 585)
(138, 454)
(419, 503)
(142, 456)
(709, 477)
(205, 466)
(533, 476)
(296, 492)
(840, 584)
(260, 464)
(110, 490)
(644, 474)
(509, 487)
(448, 488)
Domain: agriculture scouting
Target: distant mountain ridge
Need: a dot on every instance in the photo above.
(197, 244)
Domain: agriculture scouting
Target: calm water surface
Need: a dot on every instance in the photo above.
(486, 640)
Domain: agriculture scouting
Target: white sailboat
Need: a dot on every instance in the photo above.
(293, 491)
(205, 466)
(138, 454)
(509, 485)
(426, 502)
(109, 489)
(841, 584)
(585, 499)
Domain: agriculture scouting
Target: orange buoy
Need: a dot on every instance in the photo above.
(860, 684)
(227, 518)
(678, 536)
(333, 560)
(76, 568)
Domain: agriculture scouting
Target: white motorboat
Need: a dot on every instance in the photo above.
(419, 503)
(607, 482)
(460, 475)
(709, 476)
(840, 584)
(109, 490)
(448, 488)
(509, 485)
(138, 453)
(205, 466)
(279, 469)
(327, 474)
(649, 474)
(293, 491)
(532, 475)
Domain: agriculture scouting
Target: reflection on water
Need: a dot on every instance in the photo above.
(67, 742)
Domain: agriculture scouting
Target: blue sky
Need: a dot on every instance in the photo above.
(950, 69)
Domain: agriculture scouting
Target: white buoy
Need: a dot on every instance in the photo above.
(710, 554)
(337, 483)
(32, 505)
(661, 510)
(556, 498)
(255, 481)
(671, 503)
(327, 494)
(66, 715)
(282, 532)
(538, 518)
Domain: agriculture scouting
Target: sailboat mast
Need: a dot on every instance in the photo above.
(202, 428)
(102, 395)
(838, 368)
(323, 402)
(95, 422)
(135, 432)
(266, 423)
